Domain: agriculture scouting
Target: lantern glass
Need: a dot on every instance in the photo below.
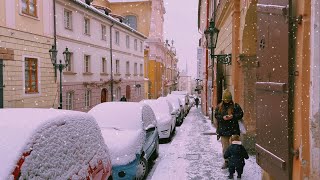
(53, 54)
(67, 56)
(214, 37)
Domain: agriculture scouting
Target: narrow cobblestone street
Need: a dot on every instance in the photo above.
(195, 153)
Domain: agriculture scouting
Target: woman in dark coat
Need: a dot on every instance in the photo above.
(227, 114)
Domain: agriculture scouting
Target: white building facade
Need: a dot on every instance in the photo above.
(95, 39)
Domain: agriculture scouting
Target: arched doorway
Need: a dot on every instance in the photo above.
(104, 95)
(128, 92)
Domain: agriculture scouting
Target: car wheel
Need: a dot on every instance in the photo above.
(142, 169)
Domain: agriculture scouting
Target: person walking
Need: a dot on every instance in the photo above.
(227, 114)
(236, 154)
(123, 98)
(197, 101)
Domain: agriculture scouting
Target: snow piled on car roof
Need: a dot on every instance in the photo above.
(63, 144)
(160, 108)
(123, 145)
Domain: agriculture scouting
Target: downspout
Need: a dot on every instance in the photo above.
(207, 53)
(55, 35)
(212, 65)
(291, 65)
(111, 85)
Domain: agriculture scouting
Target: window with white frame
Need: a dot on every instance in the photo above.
(29, 7)
(127, 67)
(87, 26)
(135, 68)
(87, 98)
(136, 44)
(86, 63)
(141, 46)
(67, 19)
(141, 69)
(117, 67)
(103, 65)
(127, 41)
(69, 100)
(117, 39)
(103, 32)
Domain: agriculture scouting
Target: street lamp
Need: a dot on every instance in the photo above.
(212, 36)
(53, 56)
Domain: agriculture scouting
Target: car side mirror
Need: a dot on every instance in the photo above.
(150, 128)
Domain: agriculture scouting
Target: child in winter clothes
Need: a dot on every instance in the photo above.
(236, 154)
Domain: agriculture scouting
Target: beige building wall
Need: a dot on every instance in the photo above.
(142, 10)
(23, 36)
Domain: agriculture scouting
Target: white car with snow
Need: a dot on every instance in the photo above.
(129, 131)
(178, 108)
(51, 144)
(165, 122)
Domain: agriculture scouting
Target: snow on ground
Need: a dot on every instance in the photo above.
(193, 155)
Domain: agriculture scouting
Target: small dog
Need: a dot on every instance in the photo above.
(236, 154)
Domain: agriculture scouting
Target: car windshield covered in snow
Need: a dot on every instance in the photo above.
(118, 115)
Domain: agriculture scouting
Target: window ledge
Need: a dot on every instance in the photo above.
(135, 74)
(69, 29)
(69, 73)
(29, 16)
(117, 74)
(128, 74)
(87, 73)
(87, 34)
(141, 74)
(104, 74)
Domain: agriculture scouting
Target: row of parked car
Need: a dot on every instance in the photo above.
(114, 140)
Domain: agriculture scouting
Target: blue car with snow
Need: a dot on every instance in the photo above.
(130, 132)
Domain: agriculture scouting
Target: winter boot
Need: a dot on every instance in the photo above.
(239, 176)
(230, 176)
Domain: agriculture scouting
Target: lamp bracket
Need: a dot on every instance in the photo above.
(223, 58)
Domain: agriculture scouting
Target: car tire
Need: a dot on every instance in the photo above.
(142, 169)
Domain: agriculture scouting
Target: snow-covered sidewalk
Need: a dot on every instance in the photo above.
(195, 153)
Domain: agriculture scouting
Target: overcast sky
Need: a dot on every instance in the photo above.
(181, 26)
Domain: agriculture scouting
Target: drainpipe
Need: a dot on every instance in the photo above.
(292, 63)
(111, 85)
(55, 35)
(212, 58)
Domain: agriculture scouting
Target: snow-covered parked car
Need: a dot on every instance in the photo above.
(184, 97)
(51, 144)
(177, 108)
(165, 122)
(129, 131)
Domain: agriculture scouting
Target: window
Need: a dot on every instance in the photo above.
(67, 19)
(117, 67)
(86, 63)
(141, 69)
(29, 7)
(127, 41)
(118, 93)
(103, 65)
(135, 68)
(141, 46)
(117, 38)
(69, 100)
(103, 32)
(136, 44)
(128, 67)
(87, 98)
(31, 75)
(70, 65)
(86, 26)
(131, 21)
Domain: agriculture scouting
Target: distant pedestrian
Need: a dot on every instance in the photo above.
(197, 101)
(123, 98)
(227, 114)
(236, 154)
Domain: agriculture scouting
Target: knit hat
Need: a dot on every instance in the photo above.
(227, 96)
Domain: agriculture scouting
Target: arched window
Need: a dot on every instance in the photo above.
(131, 20)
